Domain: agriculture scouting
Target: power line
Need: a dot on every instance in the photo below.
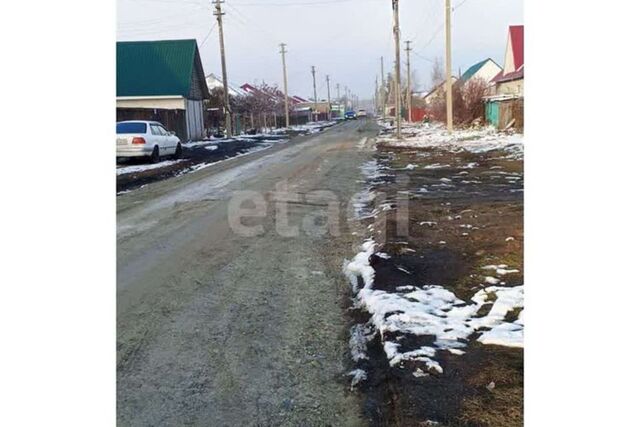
(306, 3)
(458, 5)
(422, 57)
(207, 36)
(433, 36)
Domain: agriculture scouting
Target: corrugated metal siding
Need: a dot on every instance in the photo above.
(195, 120)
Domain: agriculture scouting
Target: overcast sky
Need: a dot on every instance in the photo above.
(342, 38)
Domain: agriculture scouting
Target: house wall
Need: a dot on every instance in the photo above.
(488, 71)
(168, 103)
(190, 127)
(513, 87)
(173, 120)
(509, 65)
(433, 96)
(195, 92)
(323, 107)
(440, 91)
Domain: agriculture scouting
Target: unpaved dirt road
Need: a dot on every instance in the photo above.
(214, 328)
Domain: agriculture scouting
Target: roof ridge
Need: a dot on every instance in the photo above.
(156, 41)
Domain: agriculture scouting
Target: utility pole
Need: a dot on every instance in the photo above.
(375, 96)
(396, 34)
(286, 92)
(447, 22)
(328, 98)
(227, 106)
(383, 94)
(315, 94)
(408, 81)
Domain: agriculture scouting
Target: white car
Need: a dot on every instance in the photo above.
(361, 113)
(141, 138)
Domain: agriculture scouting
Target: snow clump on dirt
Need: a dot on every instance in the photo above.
(431, 310)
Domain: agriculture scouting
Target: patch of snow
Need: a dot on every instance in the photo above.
(359, 266)
(360, 337)
(419, 373)
(205, 142)
(433, 311)
(472, 140)
(501, 269)
(404, 270)
(436, 166)
(141, 168)
(252, 150)
(358, 375)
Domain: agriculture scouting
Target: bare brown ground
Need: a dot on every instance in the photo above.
(474, 206)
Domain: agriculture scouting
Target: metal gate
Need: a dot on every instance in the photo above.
(492, 113)
(195, 120)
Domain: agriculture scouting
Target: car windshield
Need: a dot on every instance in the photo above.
(131, 127)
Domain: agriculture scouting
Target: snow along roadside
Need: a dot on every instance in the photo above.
(428, 311)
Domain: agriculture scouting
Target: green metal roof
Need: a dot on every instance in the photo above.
(474, 69)
(156, 68)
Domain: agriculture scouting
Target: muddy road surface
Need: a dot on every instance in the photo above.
(218, 328)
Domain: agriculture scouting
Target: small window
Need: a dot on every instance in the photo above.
(131, 127)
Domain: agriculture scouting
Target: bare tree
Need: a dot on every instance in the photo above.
(415, 80)
(472, 95)
(468, 104)
(437, 72)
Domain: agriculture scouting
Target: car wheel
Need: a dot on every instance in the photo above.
(178, 153)
(155, 156)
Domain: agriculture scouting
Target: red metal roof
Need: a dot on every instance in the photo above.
(501, 77)
(516, 35)
(517, 44)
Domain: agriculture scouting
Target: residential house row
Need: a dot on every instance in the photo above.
(163, 80)
(504, 100)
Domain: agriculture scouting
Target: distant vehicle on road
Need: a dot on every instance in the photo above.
(361, 113)
(141, 138)
(350, 115)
